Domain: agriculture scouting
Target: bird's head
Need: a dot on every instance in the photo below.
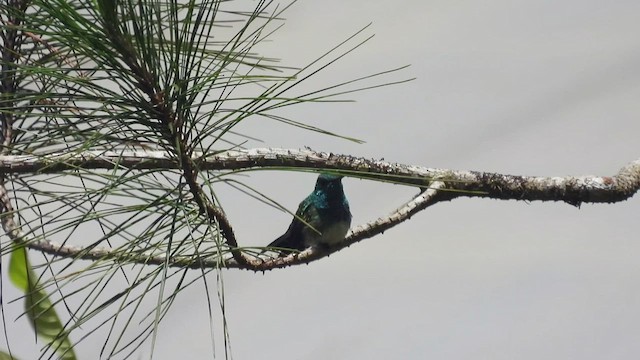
(329, 181)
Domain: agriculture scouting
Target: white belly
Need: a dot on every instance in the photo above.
(335, 233)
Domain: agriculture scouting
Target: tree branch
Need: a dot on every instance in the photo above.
(436, 185)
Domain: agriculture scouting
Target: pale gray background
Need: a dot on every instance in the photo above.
(520, 87)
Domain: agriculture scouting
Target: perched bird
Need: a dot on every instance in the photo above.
(323, 218)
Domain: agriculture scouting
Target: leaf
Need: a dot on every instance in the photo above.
(6, 356)
(38, 307)
(18, 269)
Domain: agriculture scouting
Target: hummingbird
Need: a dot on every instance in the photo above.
(323, 218)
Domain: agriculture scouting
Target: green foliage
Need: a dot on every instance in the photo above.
(38, 308)
(6, 356)
(141, 75)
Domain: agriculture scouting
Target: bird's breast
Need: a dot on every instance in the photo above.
(336, 232)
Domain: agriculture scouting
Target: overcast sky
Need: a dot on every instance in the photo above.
(520, 87)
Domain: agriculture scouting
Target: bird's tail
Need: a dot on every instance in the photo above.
(285, 245)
